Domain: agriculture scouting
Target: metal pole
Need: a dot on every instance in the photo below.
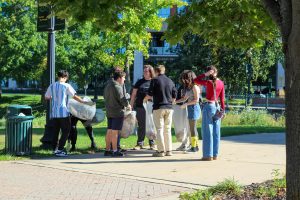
(47, 138)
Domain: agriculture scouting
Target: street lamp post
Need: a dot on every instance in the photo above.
(47, 137)
(249, 75)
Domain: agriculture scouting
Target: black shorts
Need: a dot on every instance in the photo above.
(115, 123)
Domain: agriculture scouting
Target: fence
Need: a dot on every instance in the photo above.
(255, 101)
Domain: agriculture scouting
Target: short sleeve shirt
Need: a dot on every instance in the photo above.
(142, 87)
(59, 93)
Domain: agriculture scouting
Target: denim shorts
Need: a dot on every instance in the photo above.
(115, 123)
(194, 112)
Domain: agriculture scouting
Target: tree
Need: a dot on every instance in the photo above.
(245, 24)
(22, 49)
(129, 20)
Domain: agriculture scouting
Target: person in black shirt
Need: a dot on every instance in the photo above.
(140, 90)
(163, 92)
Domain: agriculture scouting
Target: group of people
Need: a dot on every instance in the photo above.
(156, 87)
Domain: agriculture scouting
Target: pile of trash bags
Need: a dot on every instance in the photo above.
(129, 124)
(150, 126)
(180, 122)
(80, 110)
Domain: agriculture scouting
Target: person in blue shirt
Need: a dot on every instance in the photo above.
(59, 93)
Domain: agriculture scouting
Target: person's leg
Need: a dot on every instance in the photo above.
(207, 131)
(56, 129)
(216, 137)
(141, 118)
(114, 140)
(159, 124)
(89, 130)
(108, 134)
(117, 124)
(65, 124)
(194, 133)
(168, 114)
(73, 132)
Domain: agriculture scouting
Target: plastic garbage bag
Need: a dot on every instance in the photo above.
(150, 126)
(129, 124)
(180, 122)
(80, 110)
(98, 118)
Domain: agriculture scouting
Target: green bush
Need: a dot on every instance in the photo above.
(250, 117)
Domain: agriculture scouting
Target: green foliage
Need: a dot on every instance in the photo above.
(236, 24)
(227, 187)
(250, 117)
(22, 49)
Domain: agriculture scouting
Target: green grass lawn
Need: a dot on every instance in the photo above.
(83, 142)
(233, 124)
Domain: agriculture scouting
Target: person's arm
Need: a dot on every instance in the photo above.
(133, 96)
(200, 79)
(196, 97)
(48, 95)
(119, 94)
(222, 98)
(174, 93)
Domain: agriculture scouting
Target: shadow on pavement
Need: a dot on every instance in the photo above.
(264, 138)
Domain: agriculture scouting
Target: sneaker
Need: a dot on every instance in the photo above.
(138, 147)
(60, 153)
(193, 150)
(169, 153)
(117, 154)
(122, 150)
(158, 154)
(182, 148)
(107, 153)
(152, 147)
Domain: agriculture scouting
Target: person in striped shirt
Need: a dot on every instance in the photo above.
(58, 93)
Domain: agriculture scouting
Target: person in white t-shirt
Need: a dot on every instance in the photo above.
(58, 93)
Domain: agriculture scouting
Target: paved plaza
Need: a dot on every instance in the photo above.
(247, 159)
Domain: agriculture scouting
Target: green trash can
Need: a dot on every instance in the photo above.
(18, 130)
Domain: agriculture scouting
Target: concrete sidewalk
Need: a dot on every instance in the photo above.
(247, 159)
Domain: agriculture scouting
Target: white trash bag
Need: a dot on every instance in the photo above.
(98, 118)
(150, 126)
(80, 110)
(180, 122)
(129, 124)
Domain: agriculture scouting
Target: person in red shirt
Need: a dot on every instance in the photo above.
(211, 126)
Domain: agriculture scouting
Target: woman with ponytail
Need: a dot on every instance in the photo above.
(210, 125)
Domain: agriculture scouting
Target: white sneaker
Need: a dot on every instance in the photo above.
(60, 153)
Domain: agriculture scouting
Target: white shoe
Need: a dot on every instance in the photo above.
(60, 153)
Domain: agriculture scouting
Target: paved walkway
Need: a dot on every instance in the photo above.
(247, 159)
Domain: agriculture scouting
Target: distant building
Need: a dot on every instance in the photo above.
(159, 49)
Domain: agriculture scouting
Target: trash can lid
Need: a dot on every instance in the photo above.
(16, 106)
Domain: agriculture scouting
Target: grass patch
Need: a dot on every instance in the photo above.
(228, 187)
(231, 189)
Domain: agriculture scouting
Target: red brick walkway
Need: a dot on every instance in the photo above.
(27, 182)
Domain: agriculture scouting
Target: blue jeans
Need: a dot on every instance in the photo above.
(194, 112)
(210, 131)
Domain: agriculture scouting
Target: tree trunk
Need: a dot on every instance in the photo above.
(292, 85)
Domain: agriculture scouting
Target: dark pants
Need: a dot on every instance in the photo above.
(141, 118)
(63, 124)
(74, 133)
